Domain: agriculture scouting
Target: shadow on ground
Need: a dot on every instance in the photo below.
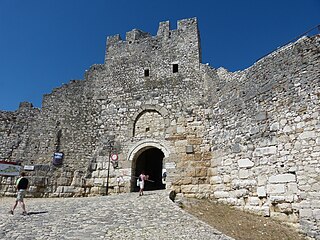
(34, 213)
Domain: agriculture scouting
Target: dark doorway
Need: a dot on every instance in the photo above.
(150, 162)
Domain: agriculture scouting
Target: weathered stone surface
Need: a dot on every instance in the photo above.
(261, 192)
(275, 188)
(254, 133)
(282, 178)
(305, 213)
(265, 151)
(245, 163)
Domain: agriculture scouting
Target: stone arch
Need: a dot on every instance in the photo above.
(163, 112)
(148, 155)
(147, 143)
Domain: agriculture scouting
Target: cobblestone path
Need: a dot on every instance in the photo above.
(124, 216)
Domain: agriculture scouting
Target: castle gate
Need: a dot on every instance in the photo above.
(148, 156)
(149, 161)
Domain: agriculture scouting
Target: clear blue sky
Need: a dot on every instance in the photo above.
(45, 43)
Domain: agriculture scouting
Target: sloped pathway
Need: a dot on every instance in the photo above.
(124, 216)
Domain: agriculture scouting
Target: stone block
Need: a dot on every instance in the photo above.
(207, 156)
(276, 188)
(282, 178)
(275, 126)
(308, 135)
(59, 189)
(316, 214)
(181, 149)
(315, 203)
(98, 181)
(237, 184)
(293, 188)
(239, 193)
(261, 191)
(190, 173)
(77, 181)
(227, 162)
(289, 198)
(104, 173)
(244, 173)
(189, 188)
(253, 201)
(180, 143)
(261, 116)
(259, 152)
(201, 172)
(221, 194)
(262, 180)
(96, 190)
(231, 201)
(287, 129)
(184, 181)
(226, 179)
(32, 189)
(254, 130)
(245, 163)
(216, 162)
(285, 208)
(100, 165)
(212, 171)
(181, 129)
(205, 188)
(215, 180)
(195, 141)
(305, 213)
(265, 211)
(95, 174)
(305, 204)
(276, 199)
(292, 218)
(69, 189)
(63, 181)
(236, 148)
(39, 181)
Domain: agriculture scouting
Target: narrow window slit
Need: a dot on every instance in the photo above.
(146, 73)
(175, 68)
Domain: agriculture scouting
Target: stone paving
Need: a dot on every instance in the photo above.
(123, 216)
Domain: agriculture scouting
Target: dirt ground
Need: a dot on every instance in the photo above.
(238, 224)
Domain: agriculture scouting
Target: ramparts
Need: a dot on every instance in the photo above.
(249, 138)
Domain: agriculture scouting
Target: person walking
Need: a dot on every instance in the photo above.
(142, 179)
(21, 186)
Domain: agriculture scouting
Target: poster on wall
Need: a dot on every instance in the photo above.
(9, 169)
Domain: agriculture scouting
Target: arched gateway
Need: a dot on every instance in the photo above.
(148, 156)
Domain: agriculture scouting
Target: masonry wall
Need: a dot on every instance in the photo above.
(249, 138)
(129, 101)
(264, 135)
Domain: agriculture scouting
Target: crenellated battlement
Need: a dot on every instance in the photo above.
(184, 25)
(136, 34)
(249, 138)
(186, 29)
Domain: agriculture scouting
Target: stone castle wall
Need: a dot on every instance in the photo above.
(264, 137)
(249, 138)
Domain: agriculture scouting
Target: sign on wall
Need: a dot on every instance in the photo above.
(9, 169)
(28, 167)
(114, 160)
(57, 158)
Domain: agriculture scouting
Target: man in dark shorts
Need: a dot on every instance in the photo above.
(22, 186)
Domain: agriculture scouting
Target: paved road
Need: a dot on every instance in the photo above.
(124, 216)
